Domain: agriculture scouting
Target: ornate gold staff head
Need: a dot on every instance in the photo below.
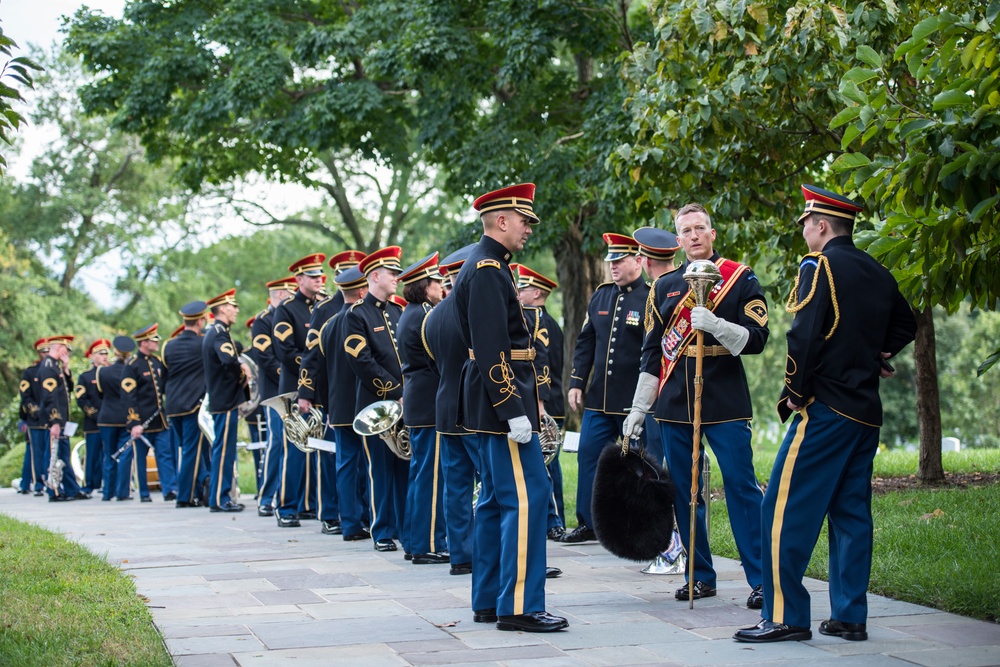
(701, 276)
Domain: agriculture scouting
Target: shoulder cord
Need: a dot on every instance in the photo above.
(792, 307)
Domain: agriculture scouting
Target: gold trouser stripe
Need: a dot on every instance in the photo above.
(319, 487)
(434, 488)
(197, 462)
(522, 525)
(778, 608)
(222, 460)
(371, 480)
(284, 467)
(305, 495)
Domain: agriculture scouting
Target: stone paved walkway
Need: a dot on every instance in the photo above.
(236, 590)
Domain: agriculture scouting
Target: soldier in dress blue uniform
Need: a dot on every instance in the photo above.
(113, 414)
(351, 470)
(268, 379)
(373, 355)
(89, 400)
(56, 384)
(184, 389)
(142, 383)
(500, 402)
(313, 392)
(288, 338)
(423, 289)
(226, 379)
(735, 325)
(459, 447)
(533, 289)
(256, 421)
(607, 351)
(849, 318)
(32, 469)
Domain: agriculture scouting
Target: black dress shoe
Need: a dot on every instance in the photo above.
(767, 631)
(407, 555)
(538, 621)
(484, 616)
(81, 495)
(555, 533)
(287, 521)
(265, 510)
(756, 599)
(855, 632)
(462, 568)
(331, 528)
(226, 507)
(126, 498)
(580, 534)
(23, 492)
(106, 499)
(38, 493)
(438, 558)
(701, 590)
(58, 499)
(146, 499)
(187, 503)
(552, 572)
(357, 537)
(307, 516)
(385, 544)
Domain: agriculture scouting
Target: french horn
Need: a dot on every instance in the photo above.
(298, 429)
(249, 406)
(550, 438)
(385, 419)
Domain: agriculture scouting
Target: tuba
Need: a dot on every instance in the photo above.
(550, 438)
(298, 429)
(385, 419)
(249, 406)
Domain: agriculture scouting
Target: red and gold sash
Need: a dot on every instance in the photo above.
(679, 332)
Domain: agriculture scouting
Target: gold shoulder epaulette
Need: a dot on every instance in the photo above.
(488, 262)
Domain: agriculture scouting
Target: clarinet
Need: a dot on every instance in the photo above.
(131, 441)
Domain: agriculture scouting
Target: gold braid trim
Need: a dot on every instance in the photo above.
(651, 309)
(792, 307)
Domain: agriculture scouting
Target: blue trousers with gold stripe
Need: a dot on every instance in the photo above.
(388, 476)
(192, 468)
(823, 469)
(460, 457)
(274, 458)
(730, 442)
(509, 574)
(328, 499)
(351, 478)
(425, 520)
(223, 457)
(94, 474)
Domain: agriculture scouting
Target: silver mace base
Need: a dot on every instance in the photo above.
(671, 561)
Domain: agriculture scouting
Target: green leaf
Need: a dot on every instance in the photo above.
(845, 116)
(982, 207)
(849, 161)
(851, 132)
(859, 75)
(986, 365)
(867, 54)
(866, 115)
(850, 90)
(926, 27)
(951, 98)
(915, 126)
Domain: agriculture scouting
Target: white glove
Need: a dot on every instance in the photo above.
(520, 429)
(645, 393)
(732, 336)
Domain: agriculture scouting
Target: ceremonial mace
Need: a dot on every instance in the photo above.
(701, 276)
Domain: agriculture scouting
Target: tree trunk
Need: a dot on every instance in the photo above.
(579, 274)
(929, 468)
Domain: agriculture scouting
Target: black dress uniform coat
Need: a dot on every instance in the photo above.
(496, 387)
(448, 353)
(610, 344)
(223, 372)
(288, 337)
(371, 348)
(114, 409)
(725, 394)
(555, 404)
(833, 353)
(30, 399)
(88, 398)
(342, 390)
(142, 384)
(267, 363)
(420, 378)
(55, 385)
(184, 374)
(313, 381)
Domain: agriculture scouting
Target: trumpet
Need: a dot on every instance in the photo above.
(385, 419)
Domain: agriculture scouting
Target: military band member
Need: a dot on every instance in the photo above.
(142, 382)
(89, 400)
(184, 389)
(424, 522)
(607, 351)
(849, 318)
(352, 470)
(268, 378)
(288, 337)
(533, 289)
(459, 447)
(256, 422)
(735, 325)
(113, 415)
(313, 390)
(32, 469)
(226, 379)
(56, 383)
(373, 355)
(500, 403)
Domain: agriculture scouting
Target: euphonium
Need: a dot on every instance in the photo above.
(298, 429)
(385, 419)
(550, 438)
